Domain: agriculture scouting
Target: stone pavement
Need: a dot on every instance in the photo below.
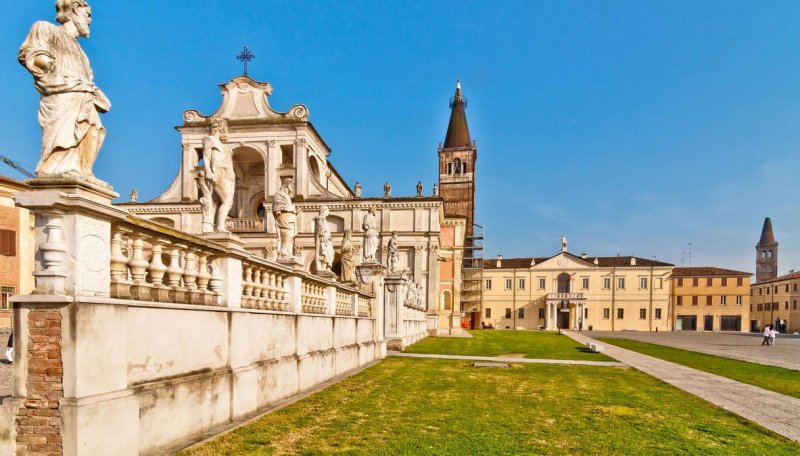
(507, 360)
(741, 346)
(774, 411)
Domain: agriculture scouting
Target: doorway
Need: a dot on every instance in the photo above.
(708, 323)
(563, 319)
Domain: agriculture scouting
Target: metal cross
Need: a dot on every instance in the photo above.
(245, 57)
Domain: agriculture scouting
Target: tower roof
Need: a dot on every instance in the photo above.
(767, 237)
(457, 130)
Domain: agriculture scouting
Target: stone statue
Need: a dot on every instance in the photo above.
(134, 195)
(219, 174)
(70, 103)
(358, 190)
(563, 243)
(286, 218)
(387, 190)
(394, 253)
(419, 189)
(370, 227)
(435, 189)
(323, 242)
(207, 206)
(348, 258)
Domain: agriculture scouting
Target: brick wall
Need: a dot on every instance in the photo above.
(38, 421)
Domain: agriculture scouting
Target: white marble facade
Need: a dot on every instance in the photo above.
(267, 146)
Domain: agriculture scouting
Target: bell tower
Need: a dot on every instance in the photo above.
(457, 157)
(766, 254)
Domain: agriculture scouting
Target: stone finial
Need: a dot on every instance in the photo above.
(134, 195)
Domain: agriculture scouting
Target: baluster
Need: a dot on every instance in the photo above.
(215, 284)
(268, 282)
(157, 268)
(138, 267)
(119, 266)
(257, 303)
(174, 274)
(247, 285)
(203, 277)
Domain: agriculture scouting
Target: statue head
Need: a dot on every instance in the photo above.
(219, 127)
(347, 234)
(323, 211)
(287, 184)
(76, 12)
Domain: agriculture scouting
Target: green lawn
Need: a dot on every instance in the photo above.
(441, 407)
(532, 344)
(778, 379)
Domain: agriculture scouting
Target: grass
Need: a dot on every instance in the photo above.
(777, 379)
(531, 344)
(433, 407)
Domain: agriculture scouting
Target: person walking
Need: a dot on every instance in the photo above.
(772, 333)
(766, 335)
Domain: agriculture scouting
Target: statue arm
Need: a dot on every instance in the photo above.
(208, 149)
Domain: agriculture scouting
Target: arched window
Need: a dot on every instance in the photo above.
(450, 168)
(447, 300)
(457, 167)
(763, 254)
(769, 253)
(563, 283)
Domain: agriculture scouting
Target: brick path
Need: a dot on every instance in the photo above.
(498, 359)
(774, 411)
(741, 346)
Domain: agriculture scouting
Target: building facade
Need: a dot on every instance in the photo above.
(710, 299)
(16, 248)
(774, 302)
(566, 291)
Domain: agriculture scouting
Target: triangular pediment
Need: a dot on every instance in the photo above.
(565, 260)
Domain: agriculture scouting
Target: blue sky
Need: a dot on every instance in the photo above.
(635, 127)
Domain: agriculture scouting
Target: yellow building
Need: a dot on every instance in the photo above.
(774, 302)
(568, 291)
(16, 248)
(710, 299)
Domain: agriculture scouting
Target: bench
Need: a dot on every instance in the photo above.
(596, 348)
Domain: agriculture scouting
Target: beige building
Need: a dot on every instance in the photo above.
(16, 248)
(620, 293)
(710, 299)
(775, 302)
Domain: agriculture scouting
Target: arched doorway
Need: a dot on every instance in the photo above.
(563, 283)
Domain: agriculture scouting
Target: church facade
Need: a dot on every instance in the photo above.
(268, 146)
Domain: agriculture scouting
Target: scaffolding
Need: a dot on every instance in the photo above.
(472, 272)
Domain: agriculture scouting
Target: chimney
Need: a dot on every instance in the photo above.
(584, 255)
(596, 260)
(499, 261)
(633, 261)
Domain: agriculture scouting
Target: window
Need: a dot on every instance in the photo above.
(724, 281)
(795, 287)
(775, 305)
(8, 243)
(449, 168)
(768, 288)
(694, 282)
(287, 155)
(488, 284)
(585, 314)
(739, 300)
(541, 312)
(658, 283)
(680, 300)
(769, 253)
(709, 282)
(5, 293)
(508, 284)
(694, 300)
(508, 312)
(520, 313)
(541, 283)
(642, 314)
(585, 283)
(760, 290)
(606, 313)
(606, 283)
(776, 288)
(739, 281)
(760, 307)
(794, 305)
(620, 314)
(620, 283)
(723, 300)
(488, 312)
(680, 281)
(658, 314)
(643, 283)
(787, 306)
(787, 288)
(708, 300)
(521, 284)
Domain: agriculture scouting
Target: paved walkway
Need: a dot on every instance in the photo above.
(774, 411)
(741, 346)
(507, 360)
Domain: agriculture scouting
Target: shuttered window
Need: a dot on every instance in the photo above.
(8, 242)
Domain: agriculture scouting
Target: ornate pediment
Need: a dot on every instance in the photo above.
(564, 260)
(245, 99)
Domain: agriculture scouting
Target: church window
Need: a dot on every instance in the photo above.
(488, 284)
(508, 312)
(488, 312)
(642, 314)
(620, 314)
(606, 313)
(520, 313)
(658, 314)
(287, 154)
(508, 284)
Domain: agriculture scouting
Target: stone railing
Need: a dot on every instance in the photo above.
(238, 225)
(264, 287)
(150, 264)
(344, 302)
(364, 308)
(565, 296)
(313, 297)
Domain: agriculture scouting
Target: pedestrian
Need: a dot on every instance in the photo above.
(772, 333)
(766, 335)
(10, 348)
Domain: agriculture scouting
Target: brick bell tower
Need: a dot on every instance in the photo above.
(457, 158)
(766, 254)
